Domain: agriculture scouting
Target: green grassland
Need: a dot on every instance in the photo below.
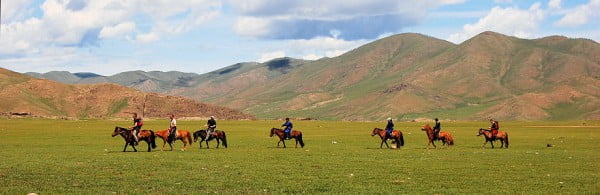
(80, 157)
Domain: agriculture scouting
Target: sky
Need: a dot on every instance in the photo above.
(199, 36)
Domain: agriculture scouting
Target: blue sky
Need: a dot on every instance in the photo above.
(112, 36)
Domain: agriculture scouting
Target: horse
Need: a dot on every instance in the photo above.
(395, 135)
(144, 135)
(445, 137)
(502, 136)
(281, 134)
(181, 135)
(217, 134)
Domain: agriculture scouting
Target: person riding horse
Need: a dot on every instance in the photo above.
(172, 129)
(494, 127)
(288, 128)
(436, 129)
(212, 125)
(137, 126)
(389, 128)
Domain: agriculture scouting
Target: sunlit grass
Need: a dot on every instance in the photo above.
(58, 156)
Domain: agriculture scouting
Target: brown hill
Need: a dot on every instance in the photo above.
(21, 93)
(412, 76)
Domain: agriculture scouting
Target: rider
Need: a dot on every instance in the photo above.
(494, 126)
(288, 128)
(212, 125)
(137, 126)
(389, 128)
(172, 129)
(436, 129)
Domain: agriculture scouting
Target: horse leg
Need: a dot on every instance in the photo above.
(184, 145)
(492, 142)
(218, 142)
(386, 144)
(133, 146)
(283, 143)
(207, 146)
(149, 148)
(502, 143)
(433, 143)
(125, 146)
(296, 142)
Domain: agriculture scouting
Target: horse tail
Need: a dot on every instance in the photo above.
(300, 140)
(152, 139)
(401, 139)
(224, 139)
(506, 139)
(189, 137)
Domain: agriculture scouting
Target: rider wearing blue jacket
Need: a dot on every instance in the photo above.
(389, 127)
(288, 128)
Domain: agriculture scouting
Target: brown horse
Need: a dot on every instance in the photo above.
(144, 135)
(502, 136)
(395, 135)
(217, 134)
(281, 134)
(445, 137)
(181, 135)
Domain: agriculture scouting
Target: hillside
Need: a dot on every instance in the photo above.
(21, 93)
(411, 76)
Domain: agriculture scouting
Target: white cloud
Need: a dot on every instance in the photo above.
(509, 21)
(271, 55)
(554, 4)
(311, 57)
(117, 30)
(77, 23)
(251, 26)
(14, 10)
(581, 15)
(322, 47)
(354, 19)
(148, 37)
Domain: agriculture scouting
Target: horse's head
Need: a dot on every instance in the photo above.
(375, 131)
(426, 127)
(198, 134)
(272, 131)
(480, 132)
(116, 131)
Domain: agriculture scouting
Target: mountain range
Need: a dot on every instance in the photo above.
(20, 93)
(404, 76)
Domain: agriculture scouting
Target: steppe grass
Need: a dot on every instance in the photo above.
(80, 157)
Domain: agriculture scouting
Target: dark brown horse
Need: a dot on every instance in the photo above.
(217, 134)
(281, 134)
(144, 135)
(502, 136)
(183, 135)
(443, 136)
(395, 135)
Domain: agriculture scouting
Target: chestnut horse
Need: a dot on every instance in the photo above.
(144, 135)
(217, 134)
(281, 134)
(395, 135)
(445, 137)
(502, 136)
(181, 135)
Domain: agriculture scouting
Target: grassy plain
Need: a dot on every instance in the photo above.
(60, 156)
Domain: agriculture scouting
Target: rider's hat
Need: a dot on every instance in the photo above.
(389, 118)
